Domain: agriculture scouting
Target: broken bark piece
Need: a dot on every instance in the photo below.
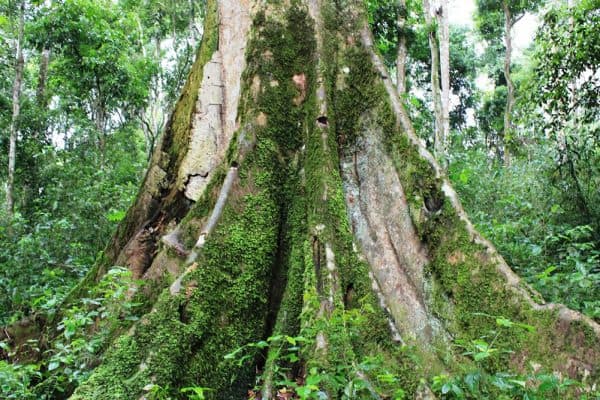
(172, 241)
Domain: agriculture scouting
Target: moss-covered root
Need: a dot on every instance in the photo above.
(349, 337)
(467, 284)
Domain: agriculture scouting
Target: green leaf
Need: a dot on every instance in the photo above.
(446, 388)
(115, 216)
(464, 176)
(291, 340)
(504, 322)
(53, 365)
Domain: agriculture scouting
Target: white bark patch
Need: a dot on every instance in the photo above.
(206, 133)
(330, 258)
(321, 342)
(176, 286)
(216, 213)
(215, 117)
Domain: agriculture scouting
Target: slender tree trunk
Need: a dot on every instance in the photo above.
(442, 15)
(510, 87)
(290, 201)
(438, 138)
(402, 52)
(41, 97)
(14, 124)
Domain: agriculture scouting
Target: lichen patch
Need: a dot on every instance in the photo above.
(456, 258)
(300, 83)
(261, 119)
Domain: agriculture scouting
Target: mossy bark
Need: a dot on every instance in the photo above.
(338, 227)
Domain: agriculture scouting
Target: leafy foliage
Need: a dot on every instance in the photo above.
(352, 381)
(85, 329)
(82, 147)
(563, 100)
(517, 209)
(480, 383)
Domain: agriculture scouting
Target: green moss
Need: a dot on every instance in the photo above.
(357, 329)
(105, 383)
(225, 302)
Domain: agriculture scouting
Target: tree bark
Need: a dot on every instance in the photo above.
(438, 138)
(289, 196)
(14, 124)
(41, 97)
(510, 87)
(402, 52)
(442, 15)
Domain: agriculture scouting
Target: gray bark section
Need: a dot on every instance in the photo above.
(43, 78)
(215, 117)
(207, 139)
(387, 236)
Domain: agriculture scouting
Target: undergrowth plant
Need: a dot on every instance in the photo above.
(537, 231)
(351, 381)
(482, 382)
(86, 327)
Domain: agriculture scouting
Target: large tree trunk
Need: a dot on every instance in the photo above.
(438, 135)
(510, 87)
(290, 195)
(14, 123)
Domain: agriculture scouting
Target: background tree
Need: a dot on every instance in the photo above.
(563, 102)
(491, 16)
(434, 46)
(101, 71)
(16, 107)
(401, 59)
(69, 192)
(442, 12)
